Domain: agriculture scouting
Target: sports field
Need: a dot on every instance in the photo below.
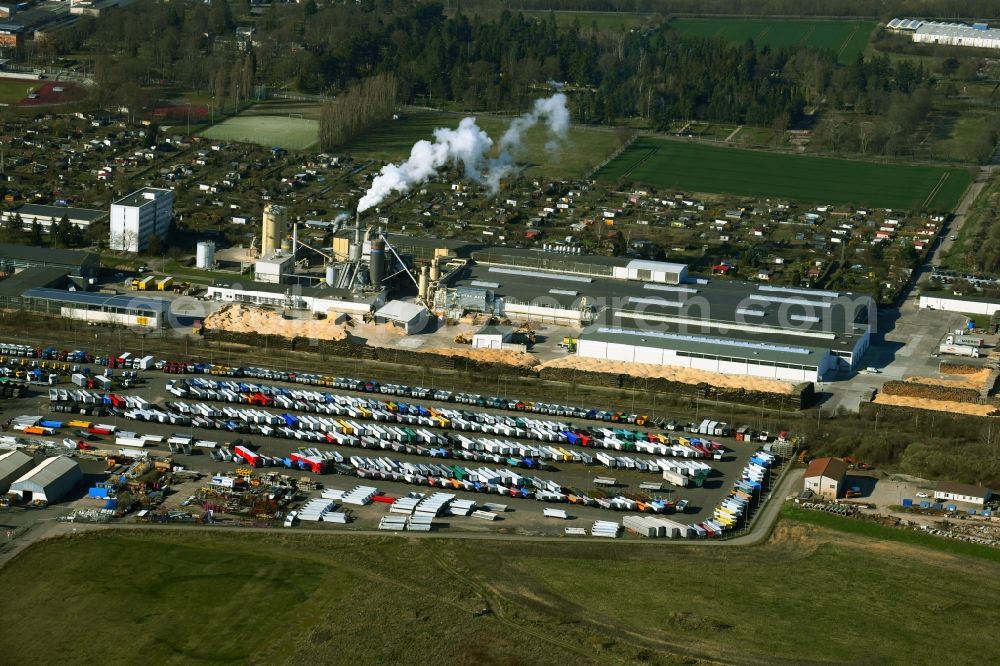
(702, 168)
(847, 38)
(287, 132)
(583, 149)
(810, 595)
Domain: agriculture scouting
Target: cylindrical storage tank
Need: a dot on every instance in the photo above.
(331, 275)
(435, 271)
(354, 251)
(423, 286)
(205, 256)
(377, 262)
(274, 228)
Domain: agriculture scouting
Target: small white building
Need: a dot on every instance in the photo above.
(947, 491)
(272, 268)
(492, 337)
(410, 317)
(825, 477)
(136, 218)
(48, 482)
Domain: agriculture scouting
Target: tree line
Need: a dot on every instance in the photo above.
(501, 62)
(365, 104)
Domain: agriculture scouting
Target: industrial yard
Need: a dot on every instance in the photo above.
(308, 441)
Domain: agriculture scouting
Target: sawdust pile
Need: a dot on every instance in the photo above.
(961, 376)
(673, 374)
(516, 359)
(239, 318)
(960, 369)
(937, 405)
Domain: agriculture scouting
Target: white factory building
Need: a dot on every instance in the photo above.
(48, 482)
(977, 35)
(294, 297)
(655, 313)
(136, 218)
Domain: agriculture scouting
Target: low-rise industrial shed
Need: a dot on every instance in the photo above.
(48, 482)
(13, 465)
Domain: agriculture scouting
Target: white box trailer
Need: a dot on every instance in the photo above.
(144, 363)
(674, 477)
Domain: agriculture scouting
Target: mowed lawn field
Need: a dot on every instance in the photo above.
(13, 91)
(809, 595)
(583, 149)
(846, 38)
(702, 168)
(292, 133)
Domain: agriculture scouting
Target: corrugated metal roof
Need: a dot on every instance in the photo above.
(46, 255)
(709, 345)
(57, 212)
(953, 488)
(957, 30)
(400, 311)
(144, 303)
(52, 474)
(13, 465)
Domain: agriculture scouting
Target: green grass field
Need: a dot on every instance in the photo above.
(809, 595)
(702, 168)
(13, 91)
(292, 133)
(584, 148)
(847, 38)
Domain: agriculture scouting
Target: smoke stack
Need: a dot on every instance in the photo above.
(376, 260)
(295, 239)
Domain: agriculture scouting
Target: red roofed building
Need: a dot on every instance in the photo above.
(825, 477)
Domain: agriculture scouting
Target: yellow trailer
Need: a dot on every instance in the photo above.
(146, 283)
(164, 284)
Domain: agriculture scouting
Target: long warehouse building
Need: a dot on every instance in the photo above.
(48, 482)
(651, 312)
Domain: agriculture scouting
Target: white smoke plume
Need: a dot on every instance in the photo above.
(469, 145)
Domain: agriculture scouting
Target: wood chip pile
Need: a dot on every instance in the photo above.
(931, 391)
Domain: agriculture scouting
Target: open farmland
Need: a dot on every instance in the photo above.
(584, 148)
(288, 132)
(183, 596)
(846, 38)
(697, 167)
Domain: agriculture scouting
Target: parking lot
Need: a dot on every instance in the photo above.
(569, 472)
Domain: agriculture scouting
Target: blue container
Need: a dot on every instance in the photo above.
(907, 502)
(97, 492)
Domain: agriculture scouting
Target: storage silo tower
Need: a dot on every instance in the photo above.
(377, 262)
(275, 222)
(205, 257)
(331, 275)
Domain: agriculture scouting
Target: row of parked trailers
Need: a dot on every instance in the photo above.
(418, 392)
(356, 407)
(418, 441)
